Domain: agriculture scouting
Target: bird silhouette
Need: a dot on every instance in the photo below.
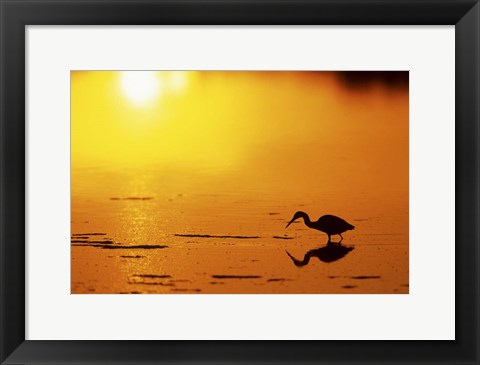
(330, 253)
(329, 224)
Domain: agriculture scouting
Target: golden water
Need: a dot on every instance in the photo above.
(209, 176)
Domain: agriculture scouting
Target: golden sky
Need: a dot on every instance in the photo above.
(287, 125)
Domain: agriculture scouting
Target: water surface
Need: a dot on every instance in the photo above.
(192, 194)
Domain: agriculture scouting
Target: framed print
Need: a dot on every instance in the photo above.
(179, 179)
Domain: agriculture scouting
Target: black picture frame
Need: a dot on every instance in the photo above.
(16, 14)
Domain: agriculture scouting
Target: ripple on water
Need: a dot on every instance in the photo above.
(278, 279)
(152, 276)
(150, 279)
(236, 276)
(186, 290)
(133, 198)
(214, 236)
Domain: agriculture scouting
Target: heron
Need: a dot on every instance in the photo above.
(329, 224)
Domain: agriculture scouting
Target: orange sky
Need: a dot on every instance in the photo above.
(294, 127)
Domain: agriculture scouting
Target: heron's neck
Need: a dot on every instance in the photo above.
(307, 221)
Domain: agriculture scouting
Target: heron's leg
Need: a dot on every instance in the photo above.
(340, 237)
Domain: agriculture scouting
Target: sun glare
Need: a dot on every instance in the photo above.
(140, 87)
(178, 80)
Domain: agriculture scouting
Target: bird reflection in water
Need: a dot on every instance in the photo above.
(329, 253)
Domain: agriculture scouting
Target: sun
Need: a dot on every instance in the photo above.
(140, 87)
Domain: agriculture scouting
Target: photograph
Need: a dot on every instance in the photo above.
(239, 182)
(263, 182)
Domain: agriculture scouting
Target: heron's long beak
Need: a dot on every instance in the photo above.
(290, 222)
